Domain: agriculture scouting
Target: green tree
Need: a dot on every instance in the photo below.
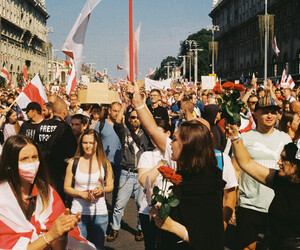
(162, 71)
(2, 82)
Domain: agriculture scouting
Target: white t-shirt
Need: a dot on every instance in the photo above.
(228, 173)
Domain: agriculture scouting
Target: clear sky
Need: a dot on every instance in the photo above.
(164, 24)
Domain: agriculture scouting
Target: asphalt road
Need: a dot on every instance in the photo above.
(125, 240)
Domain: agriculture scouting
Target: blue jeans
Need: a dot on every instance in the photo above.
(128, 185)
(93, 228)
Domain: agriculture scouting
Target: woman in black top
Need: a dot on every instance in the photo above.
(284, 211)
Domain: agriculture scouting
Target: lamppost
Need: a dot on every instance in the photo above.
(190, 42)
(168, 68)
(196, 61)
(213, 45)
(184, 64)
(49, 30)
(52, 68)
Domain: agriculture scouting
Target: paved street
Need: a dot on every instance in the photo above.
(125, 240)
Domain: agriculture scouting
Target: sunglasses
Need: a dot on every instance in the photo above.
(273, 112)
(133, 117)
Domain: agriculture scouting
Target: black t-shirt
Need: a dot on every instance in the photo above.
(284, 211)
(159, 112)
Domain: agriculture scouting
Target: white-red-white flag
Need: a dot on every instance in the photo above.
(120, 67)
(275, 47)
(5, 74)
(57, 71)
(151, 74)
(284, 77)
(136, 48)
(33, 92)
(290, 82)
(71, 78)
(73, 45)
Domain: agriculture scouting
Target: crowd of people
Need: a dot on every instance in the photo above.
(71, 154)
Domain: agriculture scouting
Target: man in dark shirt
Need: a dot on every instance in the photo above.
(157, 111)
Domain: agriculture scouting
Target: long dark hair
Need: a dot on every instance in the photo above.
(285, 119)
(9, 169)
(197, 152)
(100, 153)
(16, 125)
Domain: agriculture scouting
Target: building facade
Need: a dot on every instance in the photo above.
(241, 48)
(24, 37)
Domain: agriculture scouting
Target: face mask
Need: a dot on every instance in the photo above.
(28, 171)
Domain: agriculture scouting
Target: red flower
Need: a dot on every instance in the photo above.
(239, 87)
(217, 89)
(228, 85)
(176, 179)
(166, 171)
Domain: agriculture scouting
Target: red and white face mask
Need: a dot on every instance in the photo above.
(28, 171)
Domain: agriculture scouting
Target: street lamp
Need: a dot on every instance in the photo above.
(213, 29)
(190, 43)
(52, 68)
(168, 68)
(184, 64)
(196, 62)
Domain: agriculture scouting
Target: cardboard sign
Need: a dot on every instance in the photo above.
(208, 82)
(97, 93)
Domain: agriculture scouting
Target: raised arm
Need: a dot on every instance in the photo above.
(260, 173)
(249, 91)
(146, 118)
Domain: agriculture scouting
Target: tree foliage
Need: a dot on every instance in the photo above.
(202, 37)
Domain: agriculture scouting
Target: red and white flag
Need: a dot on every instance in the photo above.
(120, 67)
(73, 45)
(283, 78)
(33, 92)
(275, 47)
(151, 74)
(119, 93)
(136, 47)
(16, 232)
(290, 82)
(5, 74)
(25, 78)
(71, 79)
(57, 71)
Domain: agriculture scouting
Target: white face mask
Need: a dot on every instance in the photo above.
(28, 171)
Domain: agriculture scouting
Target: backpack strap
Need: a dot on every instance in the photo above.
(101, 125)
(74, 167)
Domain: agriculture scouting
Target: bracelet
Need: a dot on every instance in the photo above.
(48, 243)
(140, 107)
(184, 238)
(235, 138)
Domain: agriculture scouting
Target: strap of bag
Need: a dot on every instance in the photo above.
(74, 167)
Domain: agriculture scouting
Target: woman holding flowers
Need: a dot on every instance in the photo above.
(197, 220)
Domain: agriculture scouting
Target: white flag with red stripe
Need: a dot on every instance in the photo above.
(283, 78)
(120, 67)
(33, 92)
(57, 71)
(16, 232)
(275, 47)
(71, 79)
(290, 82)
(136, 48)
(151, 74)
(73, 45)
(5, 74)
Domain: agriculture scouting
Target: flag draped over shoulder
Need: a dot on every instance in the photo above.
(136, 48)
(33, 92)
(73, 45)
(16, 232)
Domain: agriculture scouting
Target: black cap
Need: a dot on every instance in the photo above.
(33, 106)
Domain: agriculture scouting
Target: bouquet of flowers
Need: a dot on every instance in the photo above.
(165, 196)
(229, 103)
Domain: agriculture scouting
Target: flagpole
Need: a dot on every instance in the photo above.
(131, 77)
(266, 41)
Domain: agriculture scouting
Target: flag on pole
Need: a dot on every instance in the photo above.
(136, 46)
(151, 74)
(33, 92)
(57, 71)
(290, 82)
(275, 47)
(5, 74)
(25, 73)
(71, 81)
(73, 45)
(284, 77)
(120, 67)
